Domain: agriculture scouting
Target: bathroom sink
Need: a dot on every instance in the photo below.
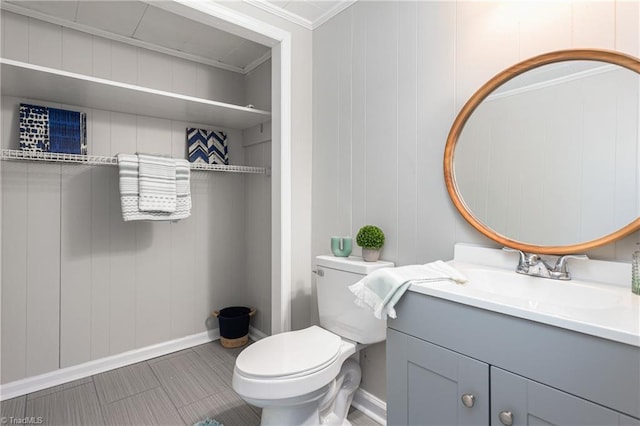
(541, 293)
(603, 310)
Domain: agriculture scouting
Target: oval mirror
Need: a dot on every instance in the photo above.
(544, 156)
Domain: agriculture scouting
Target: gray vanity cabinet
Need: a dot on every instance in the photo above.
(519, 372)
(525, 402)
(430, 382)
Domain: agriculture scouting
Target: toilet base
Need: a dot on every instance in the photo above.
(326, 406)
(334, 409)
(303, 415)
(302, 410)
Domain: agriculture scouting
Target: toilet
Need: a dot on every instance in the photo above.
(309, 376)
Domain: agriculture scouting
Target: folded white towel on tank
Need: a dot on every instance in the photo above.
(383, 288)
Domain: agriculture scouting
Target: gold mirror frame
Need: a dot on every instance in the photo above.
(612, 57)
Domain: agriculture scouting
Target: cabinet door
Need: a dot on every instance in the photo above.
(426, 384)
(518, 401)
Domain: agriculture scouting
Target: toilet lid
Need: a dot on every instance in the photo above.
(290, 354)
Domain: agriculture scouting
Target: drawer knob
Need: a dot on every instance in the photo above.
(468, 400)
(506, 418)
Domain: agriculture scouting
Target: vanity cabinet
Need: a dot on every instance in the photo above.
(427, 384)
(519, 401)
(453, 364)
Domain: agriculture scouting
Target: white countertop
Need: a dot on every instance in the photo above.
(595, 308)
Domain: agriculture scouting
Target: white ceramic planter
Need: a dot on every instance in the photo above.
(370, 255)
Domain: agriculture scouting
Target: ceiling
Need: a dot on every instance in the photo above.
(145, 25)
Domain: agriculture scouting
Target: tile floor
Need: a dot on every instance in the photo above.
(181, 388)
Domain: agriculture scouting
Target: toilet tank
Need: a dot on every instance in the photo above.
(336, 307)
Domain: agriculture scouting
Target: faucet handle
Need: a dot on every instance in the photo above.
(523, 255)
(525, 258)
(560, 268)
(561, 263)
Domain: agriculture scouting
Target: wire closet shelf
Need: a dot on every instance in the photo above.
(97, 160)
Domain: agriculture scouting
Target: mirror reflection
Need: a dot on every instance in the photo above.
(550, 158)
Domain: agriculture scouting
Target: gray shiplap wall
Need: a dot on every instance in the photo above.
(100, 285)
(80, 284)
(257, 237)
(257, 233)
(388, 81)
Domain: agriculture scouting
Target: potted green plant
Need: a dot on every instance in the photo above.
(371, 239)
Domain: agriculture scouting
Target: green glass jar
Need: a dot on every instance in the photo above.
(635, 272)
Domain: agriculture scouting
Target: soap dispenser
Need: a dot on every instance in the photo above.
(635, 271)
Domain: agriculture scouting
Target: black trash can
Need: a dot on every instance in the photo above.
(234, 325)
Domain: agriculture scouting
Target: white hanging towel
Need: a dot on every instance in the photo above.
(128, 173)
(156, 183)
(183, 190)
(383, 288)
(129, 191)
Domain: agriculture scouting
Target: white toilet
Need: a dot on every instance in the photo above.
(307, 377)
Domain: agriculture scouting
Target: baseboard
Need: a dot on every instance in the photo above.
(68, 374)
(255, 334)
(80, 371)
(370, 405)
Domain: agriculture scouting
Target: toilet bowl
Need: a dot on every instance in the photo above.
(290, 375)
(309, 376)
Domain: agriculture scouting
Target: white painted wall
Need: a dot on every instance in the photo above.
(80, 284)
(257, 93)
(389, 78)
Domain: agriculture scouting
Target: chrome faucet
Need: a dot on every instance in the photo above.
(532, 264)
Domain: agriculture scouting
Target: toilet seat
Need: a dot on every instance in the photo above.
(291, 354)
(290, 364)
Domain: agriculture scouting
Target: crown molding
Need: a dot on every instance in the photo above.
(280, 12)
(332, 12)
(296, 19)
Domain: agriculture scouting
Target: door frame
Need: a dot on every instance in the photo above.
(221, 17)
